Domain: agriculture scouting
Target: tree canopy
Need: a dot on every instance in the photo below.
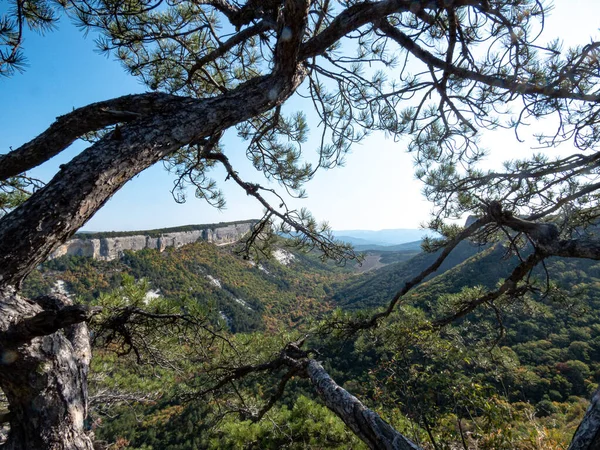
(436, 72)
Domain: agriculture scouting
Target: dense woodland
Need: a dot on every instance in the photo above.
(515, 376)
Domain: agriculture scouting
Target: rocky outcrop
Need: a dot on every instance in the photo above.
(112, 247)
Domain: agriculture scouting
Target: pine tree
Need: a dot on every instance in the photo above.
(439, 72)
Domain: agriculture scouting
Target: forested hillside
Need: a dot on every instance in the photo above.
(510, 375)
(249, 296)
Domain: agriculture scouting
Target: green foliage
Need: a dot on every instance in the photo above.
(37, 15)
(378, 287)
(496, 387)
(455, 385)
(479, 370)
(251, 295)
(307, 425)
(14, 191)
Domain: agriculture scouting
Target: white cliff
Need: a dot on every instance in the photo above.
(109, 248)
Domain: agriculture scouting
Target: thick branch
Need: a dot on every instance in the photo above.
(22, 319)
(574, 248)
(364, 422)
(72, 126)
(541, 233)
(546, 235)
(53, 214)
(290, 34)
(239, 17)
(587, 436)
(351, 19)
(364, 13)
(45, 323)
(511, 85)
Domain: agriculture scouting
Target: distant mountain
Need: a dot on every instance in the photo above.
(411, 247)
(381, 237)
(468, 265)
(357, 242)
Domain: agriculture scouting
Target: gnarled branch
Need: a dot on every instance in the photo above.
(73, 125)
(53, 214)
(511, 85)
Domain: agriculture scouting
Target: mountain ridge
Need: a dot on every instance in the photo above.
(108, 246)
(381, 238)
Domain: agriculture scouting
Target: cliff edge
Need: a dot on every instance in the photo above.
(111, 245)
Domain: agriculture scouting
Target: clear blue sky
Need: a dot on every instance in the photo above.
(376, 188)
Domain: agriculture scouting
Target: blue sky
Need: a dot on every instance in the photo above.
(376, 188)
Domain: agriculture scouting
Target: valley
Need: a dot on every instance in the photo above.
(528, 366)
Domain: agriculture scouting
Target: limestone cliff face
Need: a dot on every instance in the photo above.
(109, 248)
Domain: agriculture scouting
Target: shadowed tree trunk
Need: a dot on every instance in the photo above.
(44, 343)
(44, 378)
(587, 436)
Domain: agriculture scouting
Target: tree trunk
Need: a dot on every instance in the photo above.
(587, 436)
(365, 423)
(44, 380)
(31, 232)
(44, 345)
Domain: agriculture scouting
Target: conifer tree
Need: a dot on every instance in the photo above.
(439, 72)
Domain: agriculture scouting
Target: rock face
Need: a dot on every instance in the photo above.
(112, 247)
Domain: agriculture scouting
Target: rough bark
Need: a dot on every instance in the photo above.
(42, 370)
(44, 348)
(546, 235)
(44, 380)
(587, 436)
(364, 422)
(69, 127)
(30, 233)
(365, 13)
